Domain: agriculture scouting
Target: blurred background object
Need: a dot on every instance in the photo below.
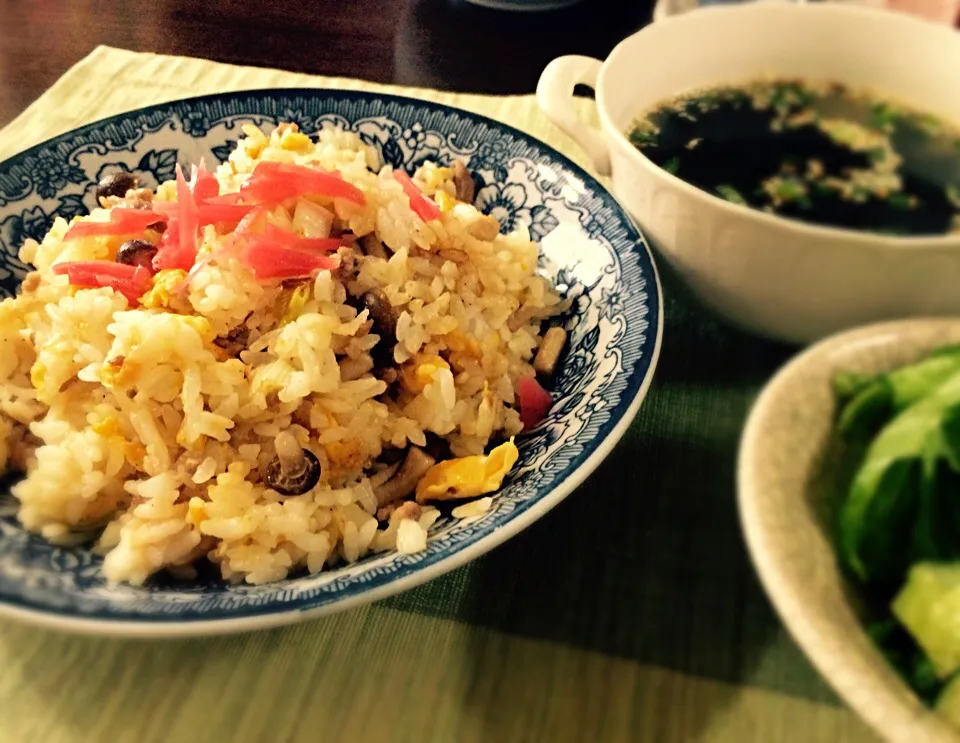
(459, 45)
(445, 44)
(938, 11)
(524, 4)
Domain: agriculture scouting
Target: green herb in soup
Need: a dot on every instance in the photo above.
(816, 152)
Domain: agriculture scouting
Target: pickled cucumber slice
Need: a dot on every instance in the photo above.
(929, 607)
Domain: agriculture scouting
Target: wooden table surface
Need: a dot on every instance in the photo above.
(444, 44)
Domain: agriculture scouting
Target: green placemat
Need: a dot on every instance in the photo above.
(629, 613)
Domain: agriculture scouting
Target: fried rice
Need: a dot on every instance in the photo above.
(310, 379)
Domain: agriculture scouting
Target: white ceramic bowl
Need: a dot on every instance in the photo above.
(783, 493)
(777, 277)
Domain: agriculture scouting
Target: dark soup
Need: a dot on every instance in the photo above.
(816, 152)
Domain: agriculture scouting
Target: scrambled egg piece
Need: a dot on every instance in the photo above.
(135, 452)
(119, 372)
(255, 141)
(163, 293)
(202, 326)
(445, 201)
(468, 476)
(434, 178)
(344, 454)
(417, 374)
(108, 427)
(294, 141)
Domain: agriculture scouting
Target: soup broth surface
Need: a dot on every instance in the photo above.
(817, 152)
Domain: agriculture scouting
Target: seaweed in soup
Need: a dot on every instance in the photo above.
(815, 152)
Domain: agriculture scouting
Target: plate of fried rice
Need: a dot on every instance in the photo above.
(273, 354)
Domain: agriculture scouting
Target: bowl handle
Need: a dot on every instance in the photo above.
(554, 94)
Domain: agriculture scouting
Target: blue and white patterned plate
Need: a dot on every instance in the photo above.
(590, 247)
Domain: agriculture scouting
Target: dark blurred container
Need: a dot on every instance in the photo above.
(459, 45)
(524, 5)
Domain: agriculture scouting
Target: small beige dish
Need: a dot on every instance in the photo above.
(782, 496)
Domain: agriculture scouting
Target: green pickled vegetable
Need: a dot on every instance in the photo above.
(886, 522)
(876, 399)
(899, 524)
(929, 607)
